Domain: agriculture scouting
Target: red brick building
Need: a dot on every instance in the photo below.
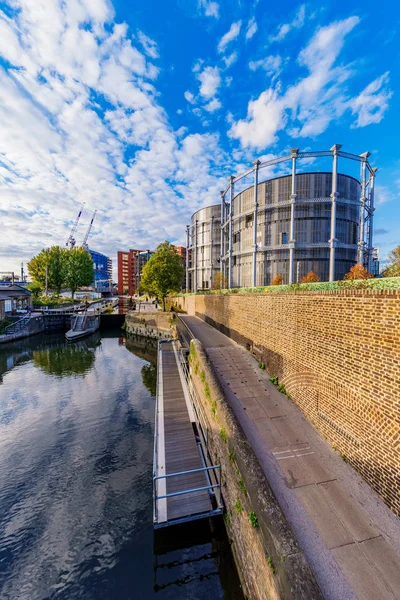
(181, 250)
(130, 265)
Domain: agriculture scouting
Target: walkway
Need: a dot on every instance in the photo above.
(176, 449)
(351, 539)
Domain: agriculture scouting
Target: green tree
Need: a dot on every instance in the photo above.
(393, 268)
(79, 269)
(35, 289)
(54, 259)
(163, 274)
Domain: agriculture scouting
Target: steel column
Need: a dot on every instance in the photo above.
(292, 242)
(230, 232)
(187, 259)
(361, 243)
(256, 164)
(335, 149)
(196, 255)
(211, 249)
(371, 218)
(221, 262)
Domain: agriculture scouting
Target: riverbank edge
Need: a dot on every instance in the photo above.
(154, 325)
(270, 563)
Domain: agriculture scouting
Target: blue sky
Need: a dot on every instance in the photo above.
(143, 109)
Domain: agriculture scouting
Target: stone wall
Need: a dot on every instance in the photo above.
(270, 562)
(338, 356)
(152, 325)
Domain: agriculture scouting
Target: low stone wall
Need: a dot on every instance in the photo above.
(34, 326)
(338, 355)
(270, 562)
(152, 325)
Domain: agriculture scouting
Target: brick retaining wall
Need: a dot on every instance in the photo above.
(338, 355)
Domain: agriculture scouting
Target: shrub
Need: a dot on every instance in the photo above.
(277, 280)
(3, 324)
(358, 272)
(219, 282)
(310, 277)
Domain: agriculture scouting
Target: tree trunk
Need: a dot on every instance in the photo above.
(163, 301)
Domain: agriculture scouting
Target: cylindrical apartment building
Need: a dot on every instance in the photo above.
(204, 247)
(289, 225)
(312, 229)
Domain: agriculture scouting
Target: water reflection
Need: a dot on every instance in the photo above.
(75, 478)
(68, 358)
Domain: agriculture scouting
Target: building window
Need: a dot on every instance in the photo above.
(283, 237)
(236, 237)
(234, 261)
(249, 220)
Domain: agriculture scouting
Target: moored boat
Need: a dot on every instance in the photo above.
(82, 325)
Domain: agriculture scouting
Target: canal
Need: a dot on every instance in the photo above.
(76, 449)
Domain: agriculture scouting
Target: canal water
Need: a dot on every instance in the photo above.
(76, 444)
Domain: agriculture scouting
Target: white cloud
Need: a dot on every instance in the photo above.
(210, 80)
(149, 45)
(209, 8)
(230, 60)
(371, 105)
(190, 97)
(271, 64)
(296, 23)
(251, 28)
(60, 146)
(213, 105)
(316, 99)
(229, 36)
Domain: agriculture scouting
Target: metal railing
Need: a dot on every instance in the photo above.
(214, 488)
(17, 326)
(194, 397)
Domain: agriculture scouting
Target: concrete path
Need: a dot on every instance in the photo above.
(350, 537)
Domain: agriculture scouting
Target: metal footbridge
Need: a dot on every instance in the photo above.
(186, 485)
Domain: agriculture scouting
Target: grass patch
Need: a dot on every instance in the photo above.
(232, 455)
(242, 487)
(271, 564)
(203, 376)
(222, 435)
(253, 519)
(238, 507)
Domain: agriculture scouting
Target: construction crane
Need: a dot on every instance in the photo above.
(71, 240)
(85, 239)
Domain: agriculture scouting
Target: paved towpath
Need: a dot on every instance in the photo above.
(350, 537)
